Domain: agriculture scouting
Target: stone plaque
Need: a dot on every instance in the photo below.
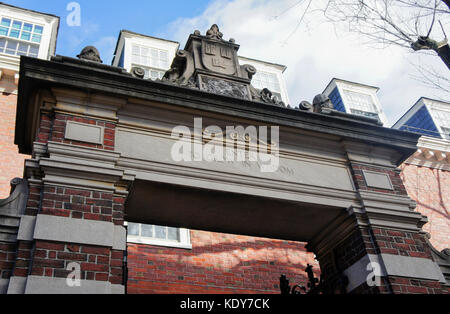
(378, 180)
(84, 132)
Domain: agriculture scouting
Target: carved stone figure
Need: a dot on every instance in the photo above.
(90, 53)
(322, 102)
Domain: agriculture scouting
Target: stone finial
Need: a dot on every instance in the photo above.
(214, 33)
(137, 72)
(90, 53)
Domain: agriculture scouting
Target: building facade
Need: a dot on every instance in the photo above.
(28, 33)
(427, 173)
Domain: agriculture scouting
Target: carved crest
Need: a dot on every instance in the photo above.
(218, 57)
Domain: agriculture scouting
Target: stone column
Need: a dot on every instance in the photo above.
(379, 246)
(73, 224)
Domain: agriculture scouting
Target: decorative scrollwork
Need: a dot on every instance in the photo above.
(181, 71)
(137, 72)
(266, 96)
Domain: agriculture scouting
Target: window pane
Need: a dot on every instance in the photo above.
(14, 33)
(36, 38)
(154, 75)
(163, 55)
(17, 25)
(2, 43)
(23, 49)
(6, 22)
(34, 51)
(173, 234)
(160, 232)
(28, 27)
(133, 229)
(38, 29)
(360, 101)
(136, 50)
(147, 231)
(136, 59)
(11, 47)
(3, 31)
(25, 36)
(446, 133)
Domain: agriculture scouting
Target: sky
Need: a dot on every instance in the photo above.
(314, 52)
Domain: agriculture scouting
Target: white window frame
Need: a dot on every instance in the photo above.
(149, 56)
(435, 109)
(19, 40)
(184, 243)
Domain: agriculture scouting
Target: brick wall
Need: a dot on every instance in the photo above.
(51, 258)
(217, 263)
(430, 188)
(11, 162)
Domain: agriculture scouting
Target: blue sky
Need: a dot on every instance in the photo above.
(314, 52)
(101, 20)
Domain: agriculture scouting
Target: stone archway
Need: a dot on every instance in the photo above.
(101, 143)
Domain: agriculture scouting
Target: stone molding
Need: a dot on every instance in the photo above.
(69, 230)
(392, 265)
(50, 285)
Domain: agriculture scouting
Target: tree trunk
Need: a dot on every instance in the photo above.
(444, 54)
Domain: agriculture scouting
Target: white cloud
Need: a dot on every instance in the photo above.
(106, 45)
(314, 54)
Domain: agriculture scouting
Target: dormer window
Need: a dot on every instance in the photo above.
(442, 119)
(361, 104)
(18, 38)
(155, 62)
(268, 80)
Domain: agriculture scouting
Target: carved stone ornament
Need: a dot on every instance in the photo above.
(137, 72)
(322, 102)
(90, 53)
(224, 87)
(181, 71)
(211, 64)
(266, 96)
(214, 33)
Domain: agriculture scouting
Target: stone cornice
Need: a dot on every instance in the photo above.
(432, 153)
(113, 81)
